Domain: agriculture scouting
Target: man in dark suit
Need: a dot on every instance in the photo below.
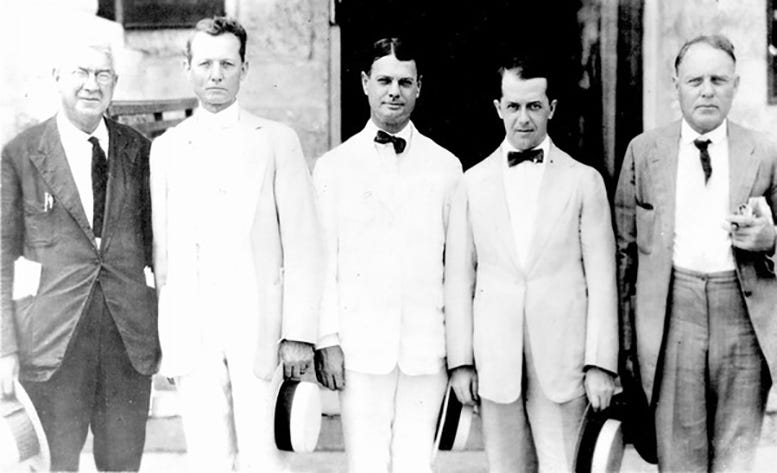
(695, 209)
(76, 229)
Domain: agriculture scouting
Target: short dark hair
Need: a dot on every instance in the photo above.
(403, 50)
(525, 67)
(717, 41)
(216, 26)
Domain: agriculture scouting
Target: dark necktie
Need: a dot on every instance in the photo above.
(399, 143)
(99, 185)
(517, 157)
(704, 155)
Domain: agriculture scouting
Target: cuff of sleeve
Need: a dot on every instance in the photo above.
(326, 341)
(588, 367)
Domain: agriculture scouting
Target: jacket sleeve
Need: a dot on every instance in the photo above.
(300, 235)
(626, 253)
(10, 248)
(598, 248)
(158, 214)
(460, 266)
(326, 189)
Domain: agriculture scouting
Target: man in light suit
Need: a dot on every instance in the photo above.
(237, 256)
(530, 291)
(697, 284)
(384, 195)
(76, 231)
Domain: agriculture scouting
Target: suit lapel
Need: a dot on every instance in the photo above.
(741, 167)
(554, 194)
(662, 163)
(121, 160)
(52, 165)
(495, 187)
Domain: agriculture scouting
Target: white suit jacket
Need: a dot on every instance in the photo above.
(237, 249)
(385, 225)
(565, 294)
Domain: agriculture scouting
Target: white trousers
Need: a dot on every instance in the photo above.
(531, 425)
(389, 420)
(227, 415)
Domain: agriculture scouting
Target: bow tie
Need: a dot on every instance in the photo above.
(517, 157)
(399, 143)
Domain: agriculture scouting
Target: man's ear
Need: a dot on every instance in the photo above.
(498, 109)
(243, 70)
(552, 107)
(365, 79)
(418, 93)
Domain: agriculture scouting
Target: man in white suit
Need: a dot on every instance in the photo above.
(530, 289)
(237, 258)
(384, 195)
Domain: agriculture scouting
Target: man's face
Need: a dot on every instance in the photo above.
(525, 110)
(215, 69)
(706, 83)
(392, 88)
(85, 80)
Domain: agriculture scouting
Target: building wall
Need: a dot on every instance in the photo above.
(669, 23)
(288, 55)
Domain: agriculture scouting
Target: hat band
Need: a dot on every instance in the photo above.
(450, 423)
(24, 433)
(283, 416)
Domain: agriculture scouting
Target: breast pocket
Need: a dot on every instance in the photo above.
(646, 217)
(39, 224)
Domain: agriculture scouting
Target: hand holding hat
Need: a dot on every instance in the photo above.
(330, 367)
(296, 357)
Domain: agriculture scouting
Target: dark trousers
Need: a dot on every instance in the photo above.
(714, 379)
(96, 386)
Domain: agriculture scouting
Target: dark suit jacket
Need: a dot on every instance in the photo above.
(40, 328)
(645, 218)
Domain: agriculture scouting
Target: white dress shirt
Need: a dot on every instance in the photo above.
(78, 151)
(210, 199)
(522, 188)
(385, 217)
(700, 241)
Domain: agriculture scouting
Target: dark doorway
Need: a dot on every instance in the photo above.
(462, 43)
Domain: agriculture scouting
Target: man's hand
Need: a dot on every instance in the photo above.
(297, 358)
(464, 380)
(330, 367)
(599, 387)
(751, 233)
(9, 371)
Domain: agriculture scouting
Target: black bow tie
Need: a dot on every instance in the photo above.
(517, 157)
(399, 143)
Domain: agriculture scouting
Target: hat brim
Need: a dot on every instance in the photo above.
(600, 442)
(297, 413)
(453, 423)
(41, 461)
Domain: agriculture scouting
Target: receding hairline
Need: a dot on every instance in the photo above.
(68, 53)
(716, 41)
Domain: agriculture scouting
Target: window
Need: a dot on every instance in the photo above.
(155, 14)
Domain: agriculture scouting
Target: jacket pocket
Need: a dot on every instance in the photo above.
(39, 225)
(645, 228)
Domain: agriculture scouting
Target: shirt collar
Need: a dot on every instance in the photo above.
(223, 119)
(544, 146)
(405, 133)
(69, 133)
(688, 134)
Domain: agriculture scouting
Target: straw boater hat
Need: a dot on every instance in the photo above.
(297, 413)
(453, 423)
(23, 444)
(600, 440)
